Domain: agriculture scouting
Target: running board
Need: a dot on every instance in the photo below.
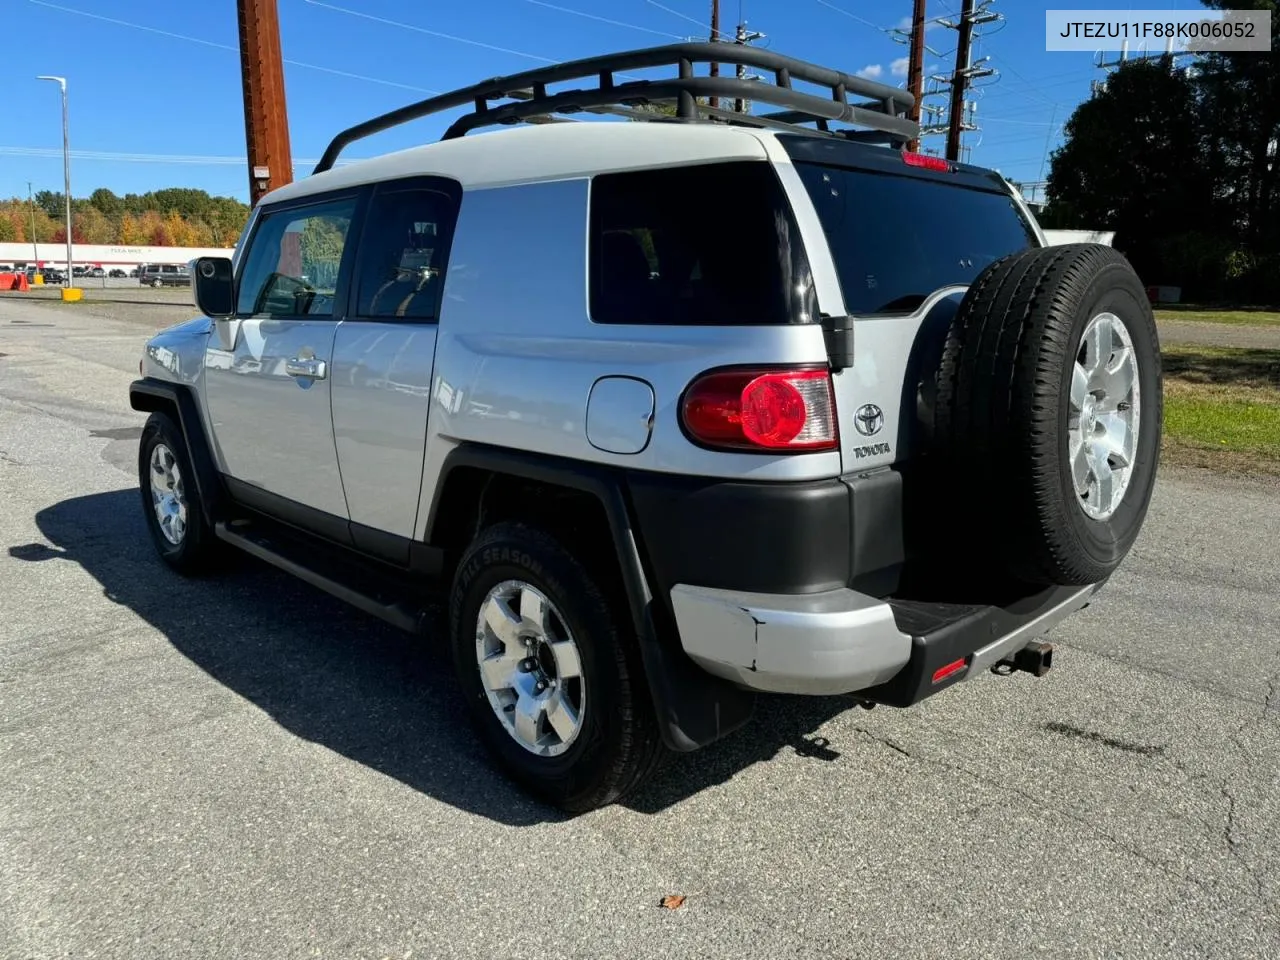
(281, 552)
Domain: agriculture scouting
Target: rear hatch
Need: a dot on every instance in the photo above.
(908, 234)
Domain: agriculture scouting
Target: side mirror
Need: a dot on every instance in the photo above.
(214, 291)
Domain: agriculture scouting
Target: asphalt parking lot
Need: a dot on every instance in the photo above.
(243, 767)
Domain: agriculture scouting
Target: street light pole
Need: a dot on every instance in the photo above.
(31, 203)
(66, 166)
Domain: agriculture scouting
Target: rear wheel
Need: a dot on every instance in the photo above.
(1049, 412)
(550, 671)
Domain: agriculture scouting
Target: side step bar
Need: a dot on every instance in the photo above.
(278, 553)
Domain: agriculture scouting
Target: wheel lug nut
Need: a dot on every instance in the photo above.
(540, 686)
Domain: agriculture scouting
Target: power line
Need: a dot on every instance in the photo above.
(226, 46)
(107, 156)
(676, 13)
(599, 19)
(852, 16)
(431, 33)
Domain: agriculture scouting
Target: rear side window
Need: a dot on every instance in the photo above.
(712, 244)
(402, 254)
(897, 239)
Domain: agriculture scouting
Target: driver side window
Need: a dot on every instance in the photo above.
(292, 266)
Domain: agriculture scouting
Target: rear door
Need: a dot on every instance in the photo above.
(268, 397)
(907, 240)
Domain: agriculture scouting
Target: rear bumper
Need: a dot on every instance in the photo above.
(817, 643)
(842, 641)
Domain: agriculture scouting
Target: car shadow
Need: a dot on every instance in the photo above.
(1224, 366)
(337, 677)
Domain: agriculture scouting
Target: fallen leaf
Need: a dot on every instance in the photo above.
(673, 901)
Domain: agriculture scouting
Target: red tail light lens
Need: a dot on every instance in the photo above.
(762, 410)
(950, 670)
(926, 161)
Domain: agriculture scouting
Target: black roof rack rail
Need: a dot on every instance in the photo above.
(882, 112)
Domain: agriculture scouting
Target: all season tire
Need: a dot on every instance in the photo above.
(516, 584)
(170, 499)
(1051, 353)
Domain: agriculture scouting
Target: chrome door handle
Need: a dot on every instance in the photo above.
(310, 368)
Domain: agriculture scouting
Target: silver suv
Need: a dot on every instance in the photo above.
(677, 407)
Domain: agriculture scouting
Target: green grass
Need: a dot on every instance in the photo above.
(1222, 408)
(1242, 318)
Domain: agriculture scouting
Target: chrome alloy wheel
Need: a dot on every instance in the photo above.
(530, 668)
(1104, 416)
(168, 496)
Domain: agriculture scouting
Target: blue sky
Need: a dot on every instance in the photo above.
(155, 97)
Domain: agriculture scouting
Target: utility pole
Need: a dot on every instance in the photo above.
(965, 71)
(715, 35)
(960, 81)
(266, 121)
(741, 36)
(1098, 86)
(915, 68)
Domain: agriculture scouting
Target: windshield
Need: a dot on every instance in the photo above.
(896, 239)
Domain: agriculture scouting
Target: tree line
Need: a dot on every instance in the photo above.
(174, 217)
(1180, 158)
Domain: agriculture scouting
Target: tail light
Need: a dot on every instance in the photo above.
(762, 409)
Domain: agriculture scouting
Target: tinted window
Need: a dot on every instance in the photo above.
(402, 254)
(712, 244)
(896, 239)
(291, 268)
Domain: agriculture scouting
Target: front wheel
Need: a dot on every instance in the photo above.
(550, 671)
(170, 500)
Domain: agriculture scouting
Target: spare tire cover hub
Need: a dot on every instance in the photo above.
(1104, 415)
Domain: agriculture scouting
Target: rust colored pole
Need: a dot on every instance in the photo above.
(960, 81)
(715, 35)
(915, 64)
(266, 120)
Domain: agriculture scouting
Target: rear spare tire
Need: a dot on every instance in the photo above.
(1049, 411)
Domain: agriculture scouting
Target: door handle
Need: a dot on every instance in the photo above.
(310, 367)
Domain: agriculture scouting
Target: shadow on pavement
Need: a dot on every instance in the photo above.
(337, 677)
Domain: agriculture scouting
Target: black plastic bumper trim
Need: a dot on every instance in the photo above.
(958, 633)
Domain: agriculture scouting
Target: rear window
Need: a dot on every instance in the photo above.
(710, 244)
(897, 239)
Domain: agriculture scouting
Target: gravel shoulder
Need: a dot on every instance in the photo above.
(1218, 334)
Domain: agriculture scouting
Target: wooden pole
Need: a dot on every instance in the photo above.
(266, 120)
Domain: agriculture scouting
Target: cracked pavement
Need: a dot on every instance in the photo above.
(245, 767)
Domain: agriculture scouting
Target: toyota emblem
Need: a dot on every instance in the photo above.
(869, 419)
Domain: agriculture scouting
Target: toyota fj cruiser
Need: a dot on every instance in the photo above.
(678, 410)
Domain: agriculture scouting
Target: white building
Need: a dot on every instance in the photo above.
(107, 256)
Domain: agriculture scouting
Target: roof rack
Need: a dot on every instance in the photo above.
(883, 115)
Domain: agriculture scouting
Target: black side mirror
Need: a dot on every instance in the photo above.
(214, 291)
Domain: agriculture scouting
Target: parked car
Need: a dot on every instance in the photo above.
(164, 275)
(117, 273)
(858, 432)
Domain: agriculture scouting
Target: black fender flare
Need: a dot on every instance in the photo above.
(149, 395)
(694, 708)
